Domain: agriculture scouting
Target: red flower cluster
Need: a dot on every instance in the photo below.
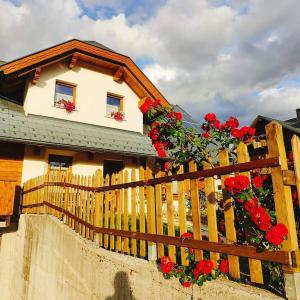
(277, 234)
(232, 123)
(69, 106)
(204, 266)
(187, 235)
(261, 218)
(245, 133)
(166, 264)
(145, 107)
(251, 205)
(258, 181)
(174, 114)
(224, 266)
(236, 184)
(160, 148)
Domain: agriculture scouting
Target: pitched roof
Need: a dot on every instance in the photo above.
(291, 125)
(2, 62)
(39, 130)
(187, 120)
(89, 51)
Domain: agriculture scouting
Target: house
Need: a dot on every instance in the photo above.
(72, 106)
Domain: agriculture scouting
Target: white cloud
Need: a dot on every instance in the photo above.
(206, 55)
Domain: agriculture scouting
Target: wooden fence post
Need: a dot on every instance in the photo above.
(158, 213)
(234, 266)
(142, 211)
(296, 156)
(255, 267)
(133, 212)
(98, 220)
(283, 204)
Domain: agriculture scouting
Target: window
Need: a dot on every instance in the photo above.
(64, 92)
(59, 162)
(112, 166)
(114, 104)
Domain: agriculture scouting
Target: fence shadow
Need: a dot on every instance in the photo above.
(122, 288)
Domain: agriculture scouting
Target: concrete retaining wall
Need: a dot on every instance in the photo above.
(45, 260)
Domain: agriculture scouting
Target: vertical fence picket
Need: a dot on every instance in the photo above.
(142, 212)
(282, 193)
(170, 218)
(133, 212)
(196, 217)
(255, 266)
(98, 221)
(296, 159)
(126, 241)
(119, 200)
(182, 215)
(159, 214)
(234, 267)
(76, 199)
(209, 189)
(112, 201)
(106, 211)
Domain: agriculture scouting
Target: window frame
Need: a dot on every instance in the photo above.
(67, 84)
(116, 96)
(59, 155)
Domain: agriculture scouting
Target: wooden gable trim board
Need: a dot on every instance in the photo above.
(36, 75)
(76, 45)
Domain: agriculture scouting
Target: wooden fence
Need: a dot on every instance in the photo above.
(124, 212)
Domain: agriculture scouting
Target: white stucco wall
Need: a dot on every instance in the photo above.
(91, 91)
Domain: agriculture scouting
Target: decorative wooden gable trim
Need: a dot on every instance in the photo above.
(36, 75)
(73, 61)
(132, 72)
(118, 76)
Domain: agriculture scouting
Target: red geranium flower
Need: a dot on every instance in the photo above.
(251, 205)
(232, 122)
(237, 133)
(167, 167)
(261, 218)
(186, 284)
(224, 266)
(166, 264)
(206, 135)
(205, 266)
(210, 117)
(258, 181)
(156, 102)
(236, 184)
(178, 116)
(187, 235)
(277, 234)
(196, 273)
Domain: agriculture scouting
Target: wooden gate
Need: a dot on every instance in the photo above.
(7, 196)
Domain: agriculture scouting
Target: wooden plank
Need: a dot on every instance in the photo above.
(119, 211)
(296, 156)
(88, 206)
(234, 267)
(77, 196)
(182, 216)
(98, 221)
(92, 209)
(112, 201)
(159, 213)
(196, 217)
(106, 211)
(289, 177)
(133, 212)
(282, 193)
(7, 196)
(126, 242)
(255, 266)
(209, 189)
(142, 211)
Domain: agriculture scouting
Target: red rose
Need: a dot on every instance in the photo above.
(217, 124)
(167, 167)
(258, 181)
(206, 135)
(205, 266)
(251, 205)
(277, 234)
(178, 116)
(161, 153)
(210, 117)
(224, 266)
(187, 235)
(144, 108)
(156, 102)
(166, 264)
(237, 133)
(236, 184)
(244, 130)
(186, 284)
(232, 122)
(261, 218)
(196, 273)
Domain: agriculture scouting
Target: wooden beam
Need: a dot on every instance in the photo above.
(73, 61)
(118, 76)
(36, 75)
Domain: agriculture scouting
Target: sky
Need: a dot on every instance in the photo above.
(231, 57)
